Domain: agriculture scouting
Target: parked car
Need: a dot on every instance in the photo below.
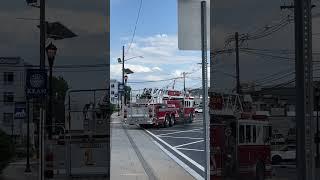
(198, 110)
(285, 154)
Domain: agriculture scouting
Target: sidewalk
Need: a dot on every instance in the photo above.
(15, 171)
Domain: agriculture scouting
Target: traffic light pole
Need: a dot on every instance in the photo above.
(206, 122)
(124, 94)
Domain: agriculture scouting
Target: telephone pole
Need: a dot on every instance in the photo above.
(184, 82)
(237, 62)
(304, 89)
(124, 92)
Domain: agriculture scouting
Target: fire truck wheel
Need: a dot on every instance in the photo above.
(172, 121)
(166, 122)
(260, 171)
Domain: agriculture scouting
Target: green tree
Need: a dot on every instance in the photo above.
(145, 95)
(60, 87)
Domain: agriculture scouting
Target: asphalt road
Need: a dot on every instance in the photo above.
(186, 143)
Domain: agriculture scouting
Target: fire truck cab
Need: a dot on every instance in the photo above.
(240, 140)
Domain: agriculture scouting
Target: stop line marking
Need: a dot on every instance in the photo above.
(180, 132)
(178, 137)
(188, 143)
(188, 149)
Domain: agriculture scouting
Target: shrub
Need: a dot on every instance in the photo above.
(6, 150)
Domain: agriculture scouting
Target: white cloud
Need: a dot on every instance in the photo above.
(160, 49)
(156, 69)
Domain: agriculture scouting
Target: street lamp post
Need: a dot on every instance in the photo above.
(28, 169)
(317, 160)
(123, 73)
(51, 53)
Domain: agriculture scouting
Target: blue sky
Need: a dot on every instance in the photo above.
(155, 39)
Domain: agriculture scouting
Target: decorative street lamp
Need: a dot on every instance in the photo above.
(51, 53)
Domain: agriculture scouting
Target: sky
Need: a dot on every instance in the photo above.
(155, 39)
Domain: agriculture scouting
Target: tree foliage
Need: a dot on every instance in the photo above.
(60, 87)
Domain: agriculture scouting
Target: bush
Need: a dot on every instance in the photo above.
(6, 150)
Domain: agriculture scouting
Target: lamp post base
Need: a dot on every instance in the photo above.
(28, 169)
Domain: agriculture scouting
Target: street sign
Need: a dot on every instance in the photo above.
(36, 83)
(189, 24)
(20, 110)
(120, 88)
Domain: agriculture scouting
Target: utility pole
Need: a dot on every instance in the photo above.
(206, 122)
(304, 89)
(124, 91)
(42, 34)
(184, 82)
(237, 63)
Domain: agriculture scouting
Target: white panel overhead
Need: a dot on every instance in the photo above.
(189, 24)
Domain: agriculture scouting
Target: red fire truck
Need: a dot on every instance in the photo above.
(184, 105)
(239, 139)
(147, 112)
(172, 108)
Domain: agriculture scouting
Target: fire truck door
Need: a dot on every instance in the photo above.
(217, 146)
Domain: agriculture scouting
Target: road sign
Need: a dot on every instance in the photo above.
(120, 88)
(189, 24)
(36, 83)
(20, 110)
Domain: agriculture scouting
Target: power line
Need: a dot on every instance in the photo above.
(135, 26)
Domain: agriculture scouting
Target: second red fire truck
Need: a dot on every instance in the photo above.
(240, 139)
(171, 108)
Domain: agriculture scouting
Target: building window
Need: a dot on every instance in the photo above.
(8, 78)
(7, 119)
(112, 92)
(8, 97)
(112, 85)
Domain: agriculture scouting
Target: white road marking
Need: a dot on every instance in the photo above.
(182, 164)
(177, 151)
(164, 130)
(188, 143)
(177, 137)
(187, 149)
(179, 132)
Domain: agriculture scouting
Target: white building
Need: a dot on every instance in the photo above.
(12, 89)
(114, 94)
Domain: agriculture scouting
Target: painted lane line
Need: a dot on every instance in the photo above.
(187, 149)
(188, 143)
(176, 151)
(178, 161)
(179, 132)
(177, 137)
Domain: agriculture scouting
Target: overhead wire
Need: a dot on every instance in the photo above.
(135, 27)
